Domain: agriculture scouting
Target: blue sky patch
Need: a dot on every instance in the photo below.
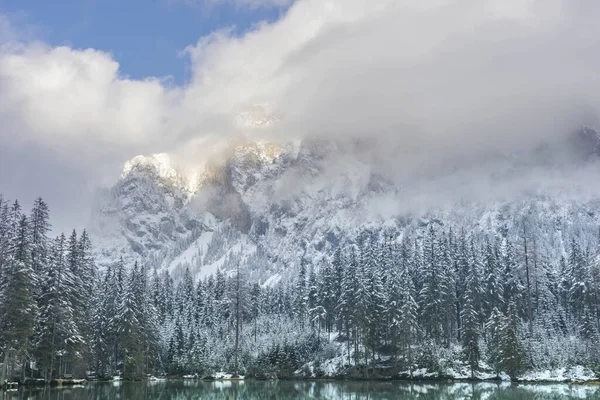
(144, 36)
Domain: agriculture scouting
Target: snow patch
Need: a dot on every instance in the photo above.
(225, 376)
(577, 373)
(190, 255)
(271, 281)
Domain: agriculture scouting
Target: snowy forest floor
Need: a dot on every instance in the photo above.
(331, 370)
(449, 367)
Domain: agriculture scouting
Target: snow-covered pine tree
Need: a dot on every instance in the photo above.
(362, 303)
(576, 276)
(199, 305)
(103, 307)
(39, 227)
(589, 334)
(326, 287)
(346, 307)
(89, 283)
(375, 296)
(17, 304)
(447, 287)
(338, 263)
(470, 316)
(114, 312)
(513, 286)
(394, 306)
(493, 286)
(255, 307)
(77, 292)
(432, 292)
(312, 295)
(301, 295)
(408, 314)
(4, 233)
(512, 354)
(129, 326)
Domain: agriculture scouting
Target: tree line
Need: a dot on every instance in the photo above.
(46, 292)
(488, 301)
(491, 302)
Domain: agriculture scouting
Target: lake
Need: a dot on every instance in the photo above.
(188, 390)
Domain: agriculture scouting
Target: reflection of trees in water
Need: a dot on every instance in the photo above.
(254, 390)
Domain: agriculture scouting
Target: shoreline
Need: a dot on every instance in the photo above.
(66, 383)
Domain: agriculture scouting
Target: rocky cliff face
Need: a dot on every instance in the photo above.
(266, 205)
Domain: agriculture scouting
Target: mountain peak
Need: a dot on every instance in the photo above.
(159, 167)
(159, 163)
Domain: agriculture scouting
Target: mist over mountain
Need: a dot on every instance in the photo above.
(265, 204)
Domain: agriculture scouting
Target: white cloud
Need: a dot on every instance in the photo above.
(451, 76)
(448, 74)
(69, 98)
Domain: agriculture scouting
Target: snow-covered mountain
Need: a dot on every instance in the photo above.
(266, 205)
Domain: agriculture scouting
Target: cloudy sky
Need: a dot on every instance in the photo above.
(86, 85)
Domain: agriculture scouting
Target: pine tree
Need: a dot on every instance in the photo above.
(129, 327)
(461, 271)
(4, 233)
(326, 296)
(577, 279)
(394, 306)
(347, 302)
(492, 284)
(495, 326)
(433, 290)
(238, 301)
(312, 292)
(114, 311)
(87, 269)
(186, 297)
(67, 335)
(528, 277)
(255, 306)
(77, 292)
(470, 317)
(337, 281)
(513, 288)
(101, 338)
(56, 330)
(39, 227)
(375, 298)
(589, 333)
(301, 296)
(448, 287)
(512, 354)
(17, 304)
(157, 295)
(408, 314)
(200, 302)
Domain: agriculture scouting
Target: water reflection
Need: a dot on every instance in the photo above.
(192, 390)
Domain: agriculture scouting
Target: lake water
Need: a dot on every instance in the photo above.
(188, 390)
